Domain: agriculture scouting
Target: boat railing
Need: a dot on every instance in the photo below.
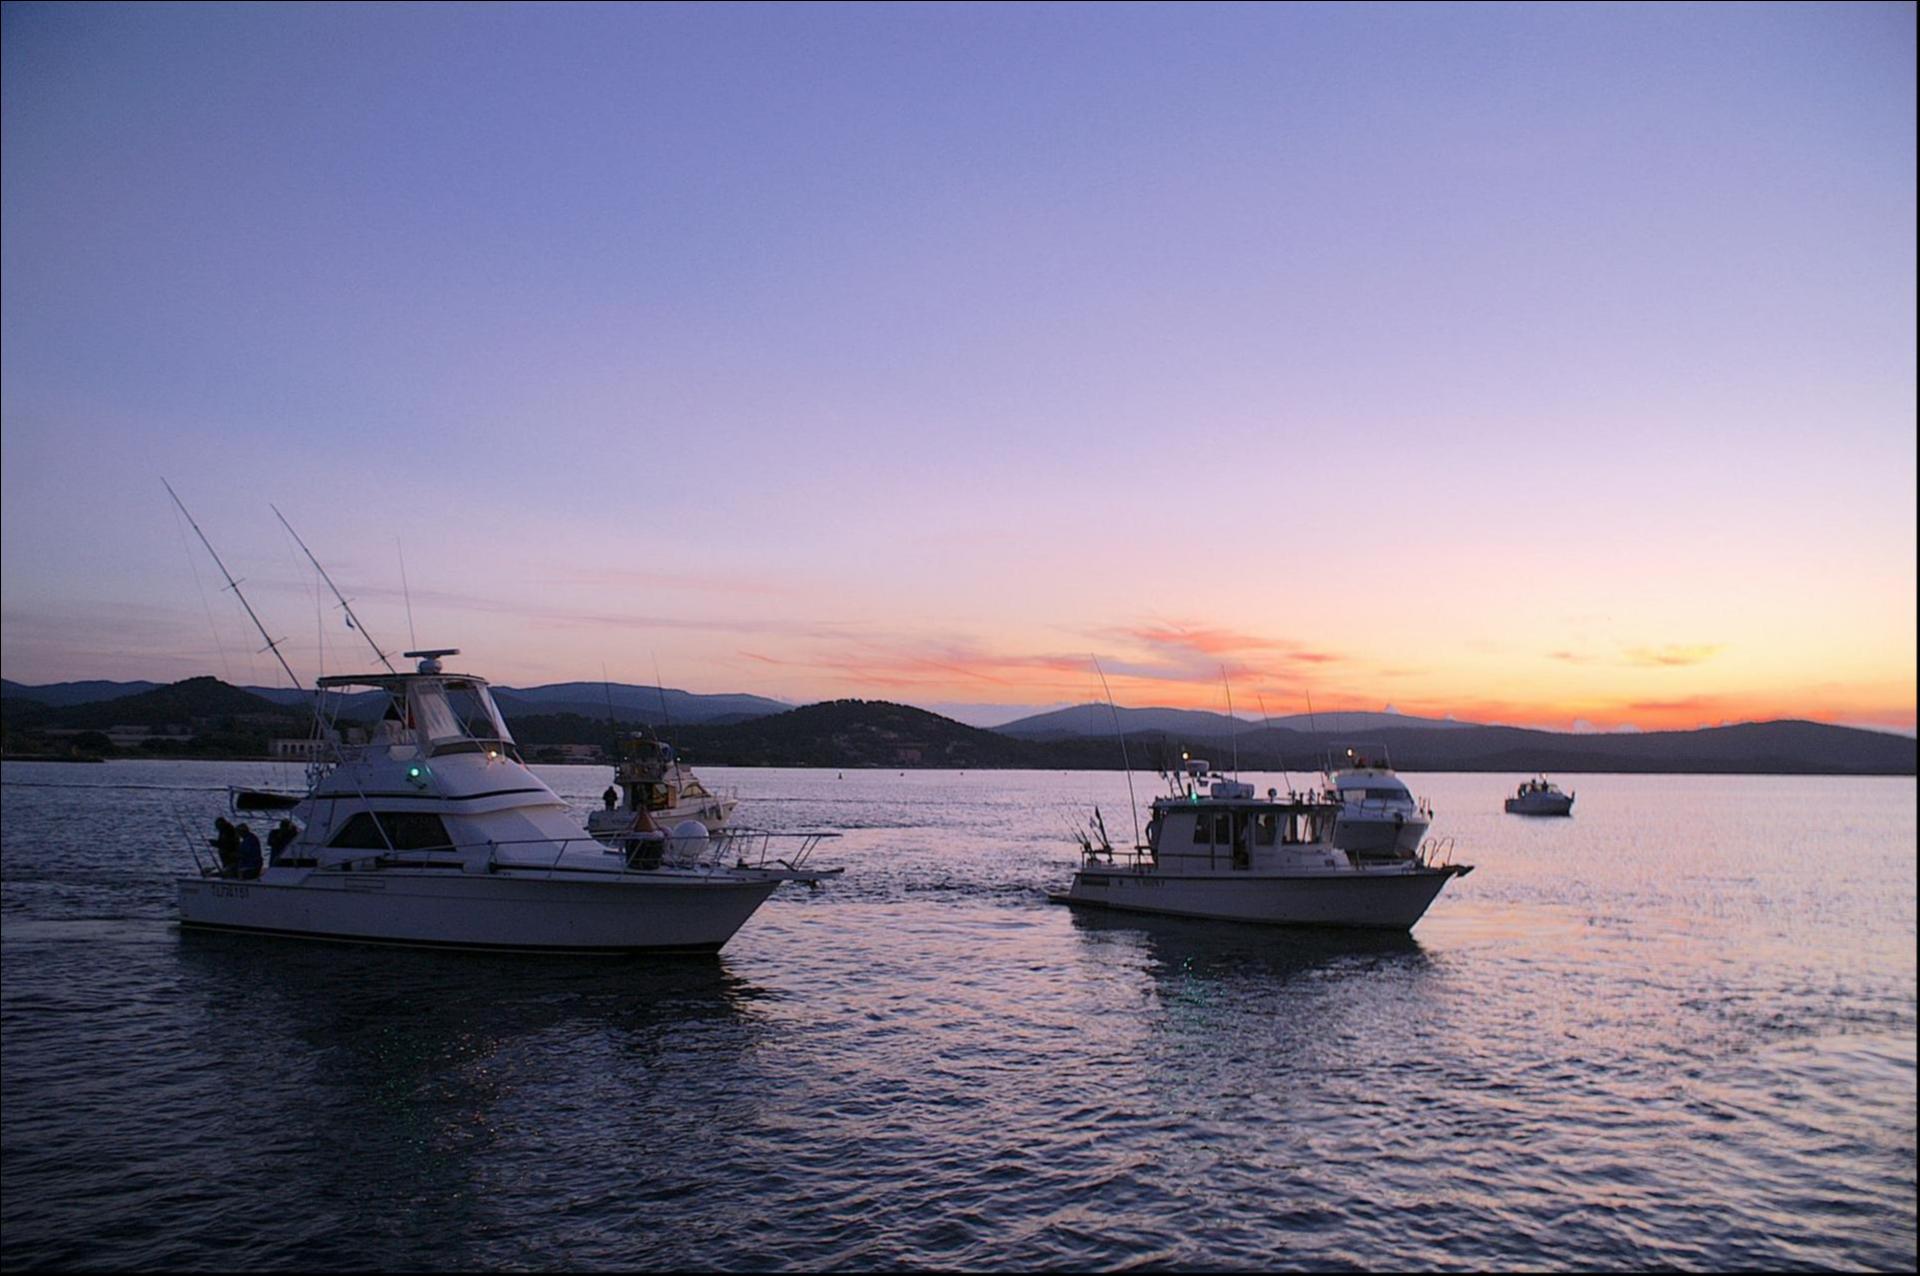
(1133, 858)
(728, 849)
(1435, 852)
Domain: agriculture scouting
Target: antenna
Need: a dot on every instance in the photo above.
(1111, 708)
(352, 619)
(273, 644)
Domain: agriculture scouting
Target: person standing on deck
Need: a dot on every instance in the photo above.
(249, 866)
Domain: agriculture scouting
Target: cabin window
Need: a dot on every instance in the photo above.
(1202, 829)
(1241, 858)
(404, 831)
(1266, 827)
(472, 704)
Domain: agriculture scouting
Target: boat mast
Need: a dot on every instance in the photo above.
(273, 644)
(344, 604)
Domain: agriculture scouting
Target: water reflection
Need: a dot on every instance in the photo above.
(441, 1083)
(1195, 948)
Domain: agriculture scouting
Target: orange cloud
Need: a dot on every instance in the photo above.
(1673, 655)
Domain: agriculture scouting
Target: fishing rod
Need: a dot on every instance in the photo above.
(613, 725)
(273, 644)
(1277, 757)
(665, 713)
(353, 621)
(1114, 710)
(1233, 736)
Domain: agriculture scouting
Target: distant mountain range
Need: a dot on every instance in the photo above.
(631, 704)
(61, 694)
(851, 733)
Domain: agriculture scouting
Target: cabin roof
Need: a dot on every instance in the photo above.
(393, 681)
(1203, 802)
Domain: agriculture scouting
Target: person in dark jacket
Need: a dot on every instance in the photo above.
(226, 844)
(277, 841)
(249, 853)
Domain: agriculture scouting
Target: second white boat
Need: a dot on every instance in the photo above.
(1217, 850)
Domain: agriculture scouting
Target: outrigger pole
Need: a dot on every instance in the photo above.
(344, 604)
(273, 644)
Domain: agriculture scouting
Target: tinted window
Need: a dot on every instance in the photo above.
(405, 831)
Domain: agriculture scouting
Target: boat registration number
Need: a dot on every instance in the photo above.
(222, 890)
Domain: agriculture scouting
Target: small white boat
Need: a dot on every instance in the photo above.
(1540, 796)
(1227, 854)
(1379, 817)
(433, 833)
(653, 788)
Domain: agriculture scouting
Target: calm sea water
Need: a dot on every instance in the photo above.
(1677, 1030)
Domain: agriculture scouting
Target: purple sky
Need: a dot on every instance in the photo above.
(1533, 363)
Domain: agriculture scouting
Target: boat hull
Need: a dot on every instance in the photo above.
(1538, 804)
(1379, 835)
(1368, 900)
(617, 914)
(612, 825)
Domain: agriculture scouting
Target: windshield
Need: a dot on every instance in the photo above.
(456, 710)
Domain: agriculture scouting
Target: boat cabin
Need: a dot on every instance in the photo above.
(651, 778)
(431, 714)
(1230, 828)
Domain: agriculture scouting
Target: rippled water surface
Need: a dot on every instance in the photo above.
(1677, 1030)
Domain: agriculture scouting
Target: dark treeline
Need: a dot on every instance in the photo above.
(206, 717)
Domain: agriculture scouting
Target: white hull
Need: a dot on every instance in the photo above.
(1379, 835)
(1390, 899)
(439, 907)
(612, 825)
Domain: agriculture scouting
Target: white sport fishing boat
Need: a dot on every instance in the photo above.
(1540, 796)
(652, 787)
(1217, 850)
(1378, 817)
(434, 833)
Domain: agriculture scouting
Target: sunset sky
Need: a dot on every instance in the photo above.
(1548, 365)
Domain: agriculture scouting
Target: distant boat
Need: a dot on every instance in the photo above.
(1378, 815)
(1540, 796)
(651, 778)
(1221, 852)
